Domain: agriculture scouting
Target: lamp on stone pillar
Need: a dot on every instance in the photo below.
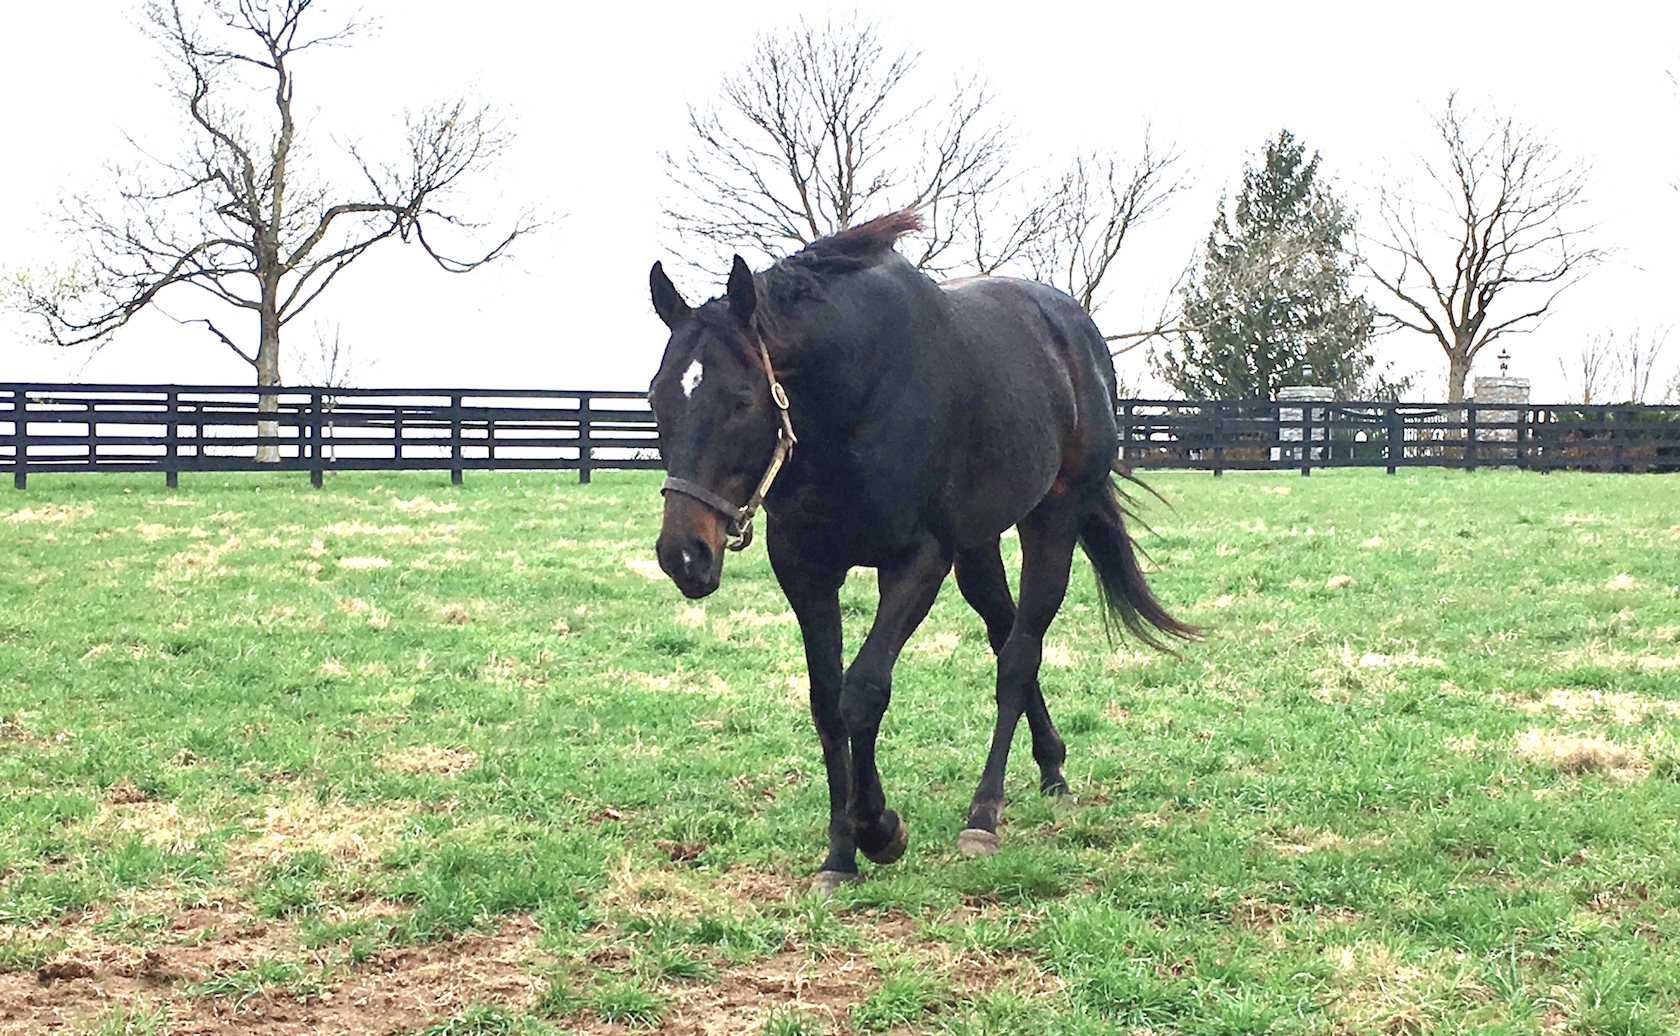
(1504, 361)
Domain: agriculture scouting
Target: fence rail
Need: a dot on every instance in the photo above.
(176, 428)
(1220, 435)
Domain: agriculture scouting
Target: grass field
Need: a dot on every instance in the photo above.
(397, 757)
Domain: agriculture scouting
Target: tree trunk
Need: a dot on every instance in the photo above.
(1458, 372)
(268, 373)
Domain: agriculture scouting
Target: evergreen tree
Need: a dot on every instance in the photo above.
(1273, 296)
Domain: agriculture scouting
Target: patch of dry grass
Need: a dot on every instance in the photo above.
(446, 762)
(336, 829)
(49, 514)
(1570, 753)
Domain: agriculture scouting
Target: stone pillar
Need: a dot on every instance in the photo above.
(1500, 390)
(1290, 418)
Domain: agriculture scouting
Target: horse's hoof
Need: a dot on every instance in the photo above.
(826, 882)
(894, 849)
(975, 842)
(1056, 787)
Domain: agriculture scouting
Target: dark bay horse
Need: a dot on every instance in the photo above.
(929, 419)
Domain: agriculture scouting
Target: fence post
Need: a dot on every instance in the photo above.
(20, 438)
(1396, 437)
(1218, 437)
(586, 445)
(1125, 434)
(171, 441)
(317, 474)
(397, 435)
(1306, 440)
(1470, 437)
(455, 439)
(1522, 439)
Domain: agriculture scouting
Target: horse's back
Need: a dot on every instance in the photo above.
(1040, 396)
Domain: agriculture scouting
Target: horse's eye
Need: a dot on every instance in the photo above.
(743, 403)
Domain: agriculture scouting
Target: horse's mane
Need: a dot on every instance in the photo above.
(805, 273)
(862, 245)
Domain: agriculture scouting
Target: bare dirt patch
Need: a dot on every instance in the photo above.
(826, 987)
(757, 887)
(395, 991)
(740, 1000)
(125, 793)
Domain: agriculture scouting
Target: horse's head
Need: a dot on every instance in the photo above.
(718, 425)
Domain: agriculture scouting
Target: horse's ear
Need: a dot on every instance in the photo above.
(667, 301)
(743, 297)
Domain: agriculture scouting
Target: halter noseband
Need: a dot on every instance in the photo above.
(741, 518)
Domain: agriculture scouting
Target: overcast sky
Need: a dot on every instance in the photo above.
(598, 92)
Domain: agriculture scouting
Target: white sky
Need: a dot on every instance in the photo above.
(598, 91)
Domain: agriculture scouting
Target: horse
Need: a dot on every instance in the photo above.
(929, 419)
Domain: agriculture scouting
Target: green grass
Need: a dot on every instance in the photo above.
(391, 712)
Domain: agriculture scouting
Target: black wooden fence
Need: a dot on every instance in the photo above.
(176, 428)
(1219, 435)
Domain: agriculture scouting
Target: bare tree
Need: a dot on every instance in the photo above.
(1636, 361)
(238, 215)
(1074, 240)
(1588, 376)
(822, 127)
(1506, 242)
(333, 363)
(1608, 369)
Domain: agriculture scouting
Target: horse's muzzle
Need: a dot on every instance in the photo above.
(690, 546)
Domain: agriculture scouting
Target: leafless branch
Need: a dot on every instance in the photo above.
(1508, 231)
(1609, 368)
(333, 363)
(1092, 209)
(235, 212)
(820, 129)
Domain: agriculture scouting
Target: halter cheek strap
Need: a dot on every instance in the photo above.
(741, 518)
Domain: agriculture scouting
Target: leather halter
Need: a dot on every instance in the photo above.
(741, 518)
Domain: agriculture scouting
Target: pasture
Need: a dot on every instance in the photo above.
(399, 757)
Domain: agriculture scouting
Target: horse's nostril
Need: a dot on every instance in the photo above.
(697, 559)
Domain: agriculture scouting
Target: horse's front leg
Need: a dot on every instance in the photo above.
(908, 586)
(813, 590)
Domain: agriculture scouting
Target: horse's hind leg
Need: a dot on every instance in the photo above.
(985, 587)
(909, 586)
(1048, 536)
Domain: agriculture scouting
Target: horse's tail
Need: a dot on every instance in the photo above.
(1125, 593)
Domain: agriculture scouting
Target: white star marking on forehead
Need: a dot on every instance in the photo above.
(691, 378)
